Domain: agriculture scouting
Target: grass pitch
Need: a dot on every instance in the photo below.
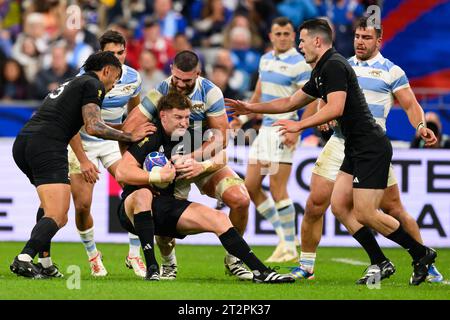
(201, 276)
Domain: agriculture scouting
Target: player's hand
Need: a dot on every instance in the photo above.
(167, 172)
(89, 171)
(290, 139)
(288, 126)
(142, 131)
(428, 136)
(189, 168)
(237, 107)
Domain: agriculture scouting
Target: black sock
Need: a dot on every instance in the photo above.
(45, 253)
(145, 230)
(415, 249)
(367, 240)
(236, 245)
(42, 233)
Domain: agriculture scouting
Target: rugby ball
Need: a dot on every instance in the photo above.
(154, 161)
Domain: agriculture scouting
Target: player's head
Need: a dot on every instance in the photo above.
(174, 111)
(367, 41)
(185, 71)
(282, 34)
(316, 37)
(115, 42)
(107, 67)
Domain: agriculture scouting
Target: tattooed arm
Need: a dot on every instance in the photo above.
(95, 126)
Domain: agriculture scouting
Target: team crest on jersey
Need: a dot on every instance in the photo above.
(140, 144)
(128, 89)
(375, 73)
(198, 106)
(283, 68)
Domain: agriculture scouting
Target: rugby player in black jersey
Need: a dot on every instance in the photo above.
(363, 175)
(40, 150)
(147, 213)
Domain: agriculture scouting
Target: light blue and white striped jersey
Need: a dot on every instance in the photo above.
(207, 101)
(280, 76)
(115, 103)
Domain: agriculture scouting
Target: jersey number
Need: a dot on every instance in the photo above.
(55, 93)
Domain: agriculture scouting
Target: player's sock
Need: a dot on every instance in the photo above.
(286, 212)
(236, 245)
(269, 212)
(135, 245)
(367, 240)
(170, 259)
(307, 261)
(145, 230)
(414, 248)
(45, 253)
(87, 237)
(42, 233)
(46, 262)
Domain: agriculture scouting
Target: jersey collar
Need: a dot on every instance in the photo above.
(325, 57)
(378, 58)
(284, 55)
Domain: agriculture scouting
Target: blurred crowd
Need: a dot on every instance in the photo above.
(43, 42)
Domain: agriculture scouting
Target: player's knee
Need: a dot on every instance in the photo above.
(315, 207)
(142, 200)
(61, 221)
(238, 200)
(82, 207)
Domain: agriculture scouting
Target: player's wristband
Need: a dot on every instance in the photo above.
(207, 165)
(243, 118)
(154, 177)
(420, 126)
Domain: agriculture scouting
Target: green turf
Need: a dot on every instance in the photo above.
(201, 276)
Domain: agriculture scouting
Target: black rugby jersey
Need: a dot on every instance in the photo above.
(60, 116)
(333, 73)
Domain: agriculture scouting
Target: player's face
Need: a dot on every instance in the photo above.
(175, 121)
(111, 75)
(307, 46)
(366, 43)
(184, 82)
(282, 37)
(118, 50)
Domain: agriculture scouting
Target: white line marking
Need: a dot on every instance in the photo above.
(446, 282)
(350, 261)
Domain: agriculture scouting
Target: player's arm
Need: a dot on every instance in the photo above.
(133, 103)
(190, 168)
(282, 105)
(129, 171)
(330, 111)
(95, 126)
(415, 113)
(88, 169)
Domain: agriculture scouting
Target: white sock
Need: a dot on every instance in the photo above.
(170, 259)
(87, 237)
(46, 262)
(135, 246)
(286, 212)
(307, 260)
(269, 212)
(24, 257)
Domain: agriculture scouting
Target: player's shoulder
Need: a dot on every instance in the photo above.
(206, 85)
(129, 75)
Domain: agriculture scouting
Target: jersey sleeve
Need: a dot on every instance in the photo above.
(215, 103)
(310, 89)
(150, 101)
(334, 77)
(93, 92)
(138, 86)
(399, 79)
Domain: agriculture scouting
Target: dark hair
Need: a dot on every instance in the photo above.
(364, 22)
(282, 21)
(97, 61)
(112, 36)
(186, 60)
(174, 100)
(321, 26)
